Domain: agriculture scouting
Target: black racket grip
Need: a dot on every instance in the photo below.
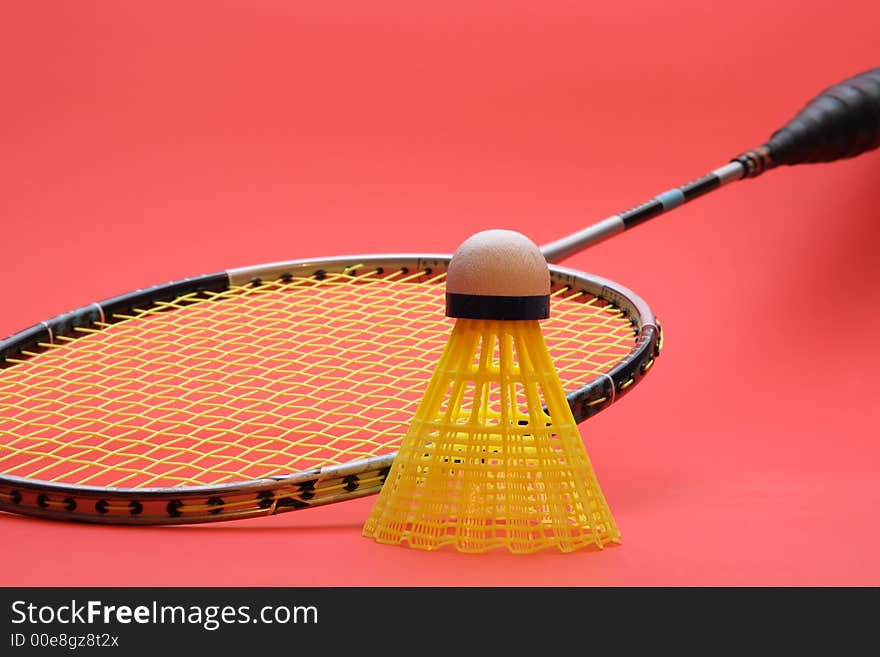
(843, 121)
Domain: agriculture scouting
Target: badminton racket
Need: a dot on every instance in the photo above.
(285, 386)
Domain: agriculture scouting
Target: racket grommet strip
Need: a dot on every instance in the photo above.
(306, 489)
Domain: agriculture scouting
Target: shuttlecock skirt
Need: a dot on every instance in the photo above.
(493, 457)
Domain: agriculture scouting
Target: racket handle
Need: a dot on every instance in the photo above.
(841, 122)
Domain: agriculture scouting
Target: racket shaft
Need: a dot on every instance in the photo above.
(668, 200)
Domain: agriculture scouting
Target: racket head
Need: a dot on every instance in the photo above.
(301, 374)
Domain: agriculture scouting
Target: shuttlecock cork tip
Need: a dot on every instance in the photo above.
(498, 274)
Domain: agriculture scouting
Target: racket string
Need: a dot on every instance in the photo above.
(258, 380)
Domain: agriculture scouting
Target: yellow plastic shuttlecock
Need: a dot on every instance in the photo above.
(493, 457)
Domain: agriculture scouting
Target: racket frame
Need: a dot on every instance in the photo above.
(311, 488)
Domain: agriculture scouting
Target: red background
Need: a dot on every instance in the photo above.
(143, 142)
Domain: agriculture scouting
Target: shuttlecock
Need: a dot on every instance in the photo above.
(493, 457)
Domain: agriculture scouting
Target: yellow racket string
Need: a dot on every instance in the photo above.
(256, 381)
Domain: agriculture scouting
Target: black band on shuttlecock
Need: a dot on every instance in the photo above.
(481, 306)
